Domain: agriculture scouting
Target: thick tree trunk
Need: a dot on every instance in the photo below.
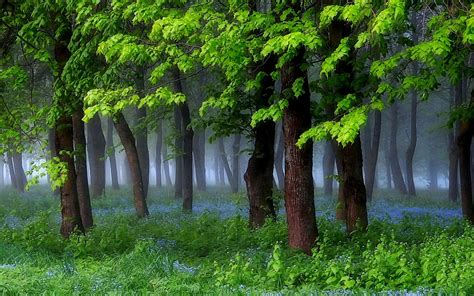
(353, 186)
(111, 154)
(259, 174)
(199, 152)
(81, 169)
(141, 136)
(128, 142)
(178, 142)
(372, 156)
(235, 163)
(70, 210)
(299, 186)
(329, 161)
(464, 139)
(158, 148)
(280, 151)
(410, 153)
(186, 145)
(96, 150)
(20, 176)
(394, 163)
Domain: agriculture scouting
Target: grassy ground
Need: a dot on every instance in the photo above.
(413, 245)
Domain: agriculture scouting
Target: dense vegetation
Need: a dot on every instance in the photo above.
(87, 85)
(214, 253)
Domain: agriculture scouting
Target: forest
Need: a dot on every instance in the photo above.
(236, 147)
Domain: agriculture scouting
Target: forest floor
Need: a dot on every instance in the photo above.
(415, 246)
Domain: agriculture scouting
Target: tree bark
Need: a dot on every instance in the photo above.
(158, 148)
(187, 145)
(259, 174)
(128, 142)
(279, 154)
(178, 142)
(299, 186)
(141, 136)
(410, 153)
(166, 166)
(11, 169)
(373, 153)
(353, 187)
(82, 184)
(464, 139)
(453, 190)
(199, 152)
(20, 176)
(394, 163)
(224, 164)
(70, 210)
(111, 154)
(96, 150)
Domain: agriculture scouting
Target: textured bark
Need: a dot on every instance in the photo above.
(372, 156)
(186, 145)
(128, 142)
(299, 187)
(158, 148)
(329, 161)
(394, 163)
(279, 155)
(70, 210)
(96, 150)
(111, 154)
(353, 186)
(20, 176)
(82, 184)
(259, 174)
(235, 163)
(199, 152)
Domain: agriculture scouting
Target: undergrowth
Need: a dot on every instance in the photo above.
(172, 253)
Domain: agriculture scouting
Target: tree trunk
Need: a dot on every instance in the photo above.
(453, 191)
(299, 187)
(128, 142)
(186, 144)
(96, 150)
(410, 153)
(158, 147)
(280, 149)
(329, 161)
(20, 176)
(235, 163)
(199, 152)
(141, 136)
(259, 174)
(372, 156)
(464, 139)
(178, 142)
(81, 169)
(11, 169)
(111, 154)
(353, 186)
(388, 169)
(166, 166)
(70, 210)
(224, 163)
(394, 163)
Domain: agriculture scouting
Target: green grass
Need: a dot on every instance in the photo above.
(171, 253)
